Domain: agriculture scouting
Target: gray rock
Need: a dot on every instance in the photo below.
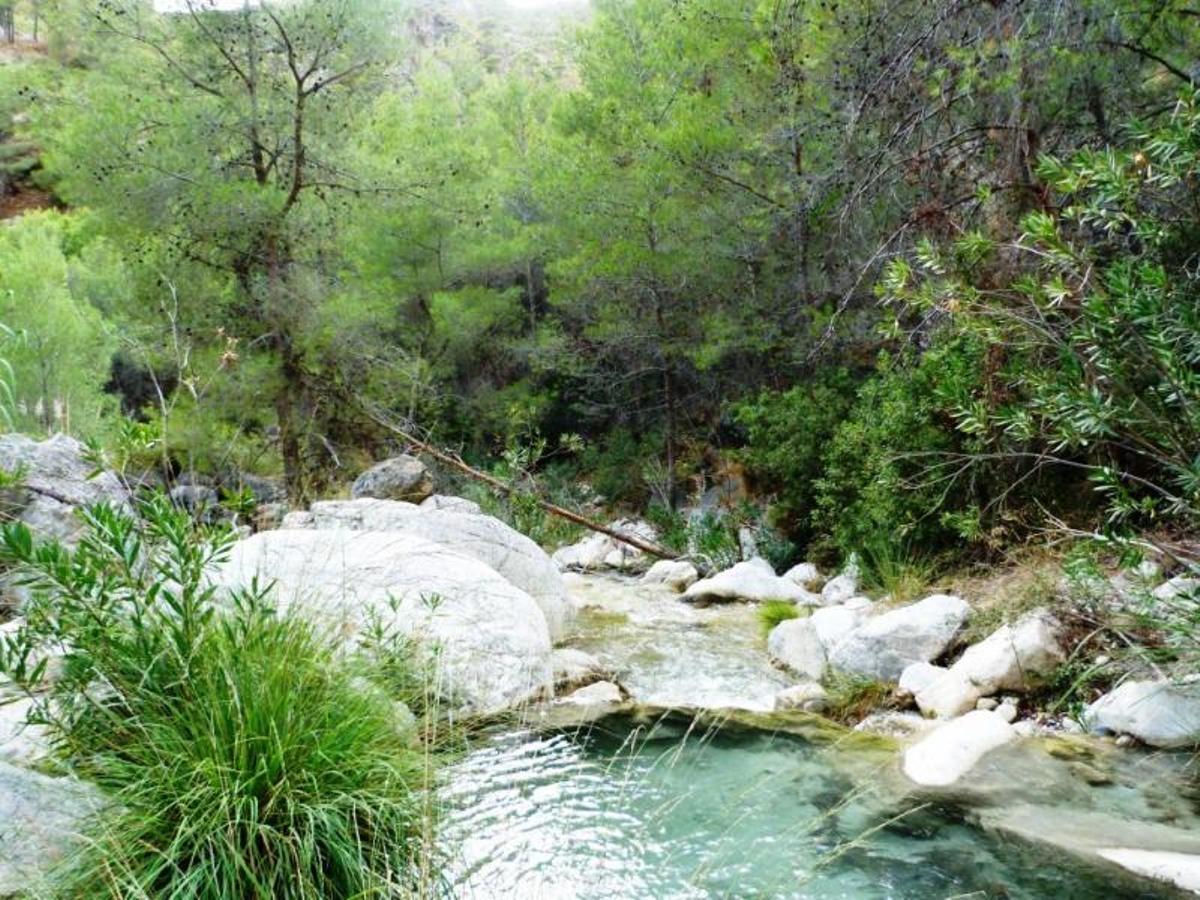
(198, 500)
(883, 646)
(488, 638)
(794, 645)
(1177, 586)
(805, 574)
(600, 551)
(58, 481)
(399, 478)
(40, 822)
(840, 589)
(835, 622)
(1157, 713)
(808, 696)
(896, 724)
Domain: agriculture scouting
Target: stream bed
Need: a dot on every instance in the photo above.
(620, 809)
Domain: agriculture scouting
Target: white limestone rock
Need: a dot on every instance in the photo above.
(602, 693)
(947, 695)
(752, 581)
(487, 539)
(839, 589)
(807, 696)
(1014, 657)
(883, 646)
(805, 574)
(676, 574)
(1158, 713)
(949, 752)
(794, 645)
(490, 639)
(453, 504)
(576, 668)
(835, 622)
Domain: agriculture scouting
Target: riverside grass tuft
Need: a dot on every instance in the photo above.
(242, 754)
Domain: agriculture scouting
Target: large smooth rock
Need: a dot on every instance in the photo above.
(601, 693)
(883, 646)
(752, 581)
(454, 504)
(40, 822)
(676, 574)
(1014, 657)
(1157, 713)
(794, 645)
(487, 539)
(835, 622)
(490, 639)
(58, 480)
(399, 478)
(948, 753)
(599, 551)
(946, 694)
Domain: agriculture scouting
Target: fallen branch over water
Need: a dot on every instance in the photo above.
(456, 462)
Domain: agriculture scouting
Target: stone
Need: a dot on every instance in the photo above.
(489, 639)
(454, 504)
(949, 752)
(512, 554)
(600, 551)
(678, 575)
(1177, 586)
(987, 703)
(40, 823)
(947, 695)
(752, 581)
(896, 724)
(884, 645)
(1158, 713)
(807, 696)
(58, 480)
(835, 622)
(600, 693)
(1014, 657)
(576, 668)
(839, 589)
(399, 478)
(200, 501)
(1008, 712)
(795, 646)
(918, 676)
(269, 516)
(20, 742)
(804, 574)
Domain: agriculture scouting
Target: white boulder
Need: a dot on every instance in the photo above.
(804, 574)
(600, 551)
(835, 622)
(948, 753)
(1158, 713)
(947, 695)
(453, 504)
(754, 581)
(489, 639)
(794, 645)
(600, 693)
(1014, 657)
(21, 742)
(487, 539)
(918, 676)
(883, 646)
(676, 574)
(839, 589)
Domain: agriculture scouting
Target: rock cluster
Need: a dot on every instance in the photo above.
(599, 551)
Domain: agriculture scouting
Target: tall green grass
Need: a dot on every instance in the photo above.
(244, 756)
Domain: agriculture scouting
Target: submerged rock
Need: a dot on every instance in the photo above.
(883, 646)
(1158, 713)
(948, 753)
(795, 645)
(58, 480)
(512, 554)
(752, 581)
(678, 575)
(399, 478)
(489, 639)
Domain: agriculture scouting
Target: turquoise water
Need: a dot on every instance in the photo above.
(599, 816)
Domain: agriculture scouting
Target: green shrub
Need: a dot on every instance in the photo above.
(242, 755)
(616, 465)
(772, 612)
(786, 434)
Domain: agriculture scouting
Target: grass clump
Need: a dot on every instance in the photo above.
(773, 612)
(851, 697)
(243, 756)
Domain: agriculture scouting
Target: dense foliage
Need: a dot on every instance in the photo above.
(638, 250)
